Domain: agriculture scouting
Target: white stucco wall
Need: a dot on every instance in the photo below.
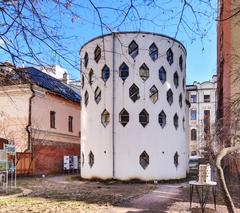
(130, 141)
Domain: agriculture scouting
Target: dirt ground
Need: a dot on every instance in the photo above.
(69, 194)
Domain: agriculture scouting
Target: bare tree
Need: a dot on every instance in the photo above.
(221, 148)
(32, 28)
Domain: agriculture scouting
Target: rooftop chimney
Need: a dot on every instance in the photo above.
(64, 79)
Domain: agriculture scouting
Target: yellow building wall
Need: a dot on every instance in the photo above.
(42, 104)
(14, 108)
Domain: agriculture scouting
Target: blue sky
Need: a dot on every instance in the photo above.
(197, 30)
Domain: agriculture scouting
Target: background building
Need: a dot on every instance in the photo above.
(228, 72)
(41, 116)
(202, 114)
(133, 118)
(55, 71)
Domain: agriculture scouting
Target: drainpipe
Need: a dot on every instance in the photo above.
(113, 107)
(28, 127)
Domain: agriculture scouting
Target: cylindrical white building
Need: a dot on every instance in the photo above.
(134, 115)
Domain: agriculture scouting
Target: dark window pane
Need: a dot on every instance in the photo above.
(144, 72)
(124, 117)
(91, 159)
(144, 117)
(133, 49)
(162, 75)
(86, 60)
(170, 97)
(97, 95)
(97, 54)
(52, 119)
(105, 73)
(134, 92)
(153, 52)
(123, 71)
(170, 56)
(144, 160)
(162, 119)
(70, 123)
(86, 98)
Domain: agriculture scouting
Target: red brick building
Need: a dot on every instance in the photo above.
(228, 69)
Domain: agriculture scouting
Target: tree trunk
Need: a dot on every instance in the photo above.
(226, 195)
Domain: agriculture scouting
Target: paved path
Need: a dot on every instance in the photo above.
(155, 201)
(24, 192)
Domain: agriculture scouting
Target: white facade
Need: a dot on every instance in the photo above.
(55, 71)
(202, 114)
(115, 150)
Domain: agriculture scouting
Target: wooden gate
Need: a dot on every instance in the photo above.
(24, 163)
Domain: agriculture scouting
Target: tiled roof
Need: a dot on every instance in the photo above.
(46, 81)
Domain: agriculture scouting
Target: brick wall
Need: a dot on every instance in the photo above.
(48, 155)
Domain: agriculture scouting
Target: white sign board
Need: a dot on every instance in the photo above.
(75, 162)
(66, 162)
(10, 149)
(71, 165)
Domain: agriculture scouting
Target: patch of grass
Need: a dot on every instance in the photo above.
(69, 194)
(45, 205)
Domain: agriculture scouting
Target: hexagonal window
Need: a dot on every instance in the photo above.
(97, 95)
(181, 63)
(134, 92)
(175, 120)
(86, 98)
(162, 119)
(144, 117)
(175, 158)
(170, 97)
(82, 81)
(105, 73)
(90, 159)
(124, 117)
(90, 77)
(170, 56)
(82, 159)
(144, 72)
(162, 75)
(86, 60)
(153, 52)
(153, 94)
(144, 160)
(180, 100)
(183, 123)
(176, 79)
(105, 118)
(97, 54)
(123, 71)
(133, 49)
(183, 84)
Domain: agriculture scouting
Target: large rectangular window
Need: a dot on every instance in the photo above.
(52, 119)
(70, 123)
(193, 114)
(206, 98)
(193, 98)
